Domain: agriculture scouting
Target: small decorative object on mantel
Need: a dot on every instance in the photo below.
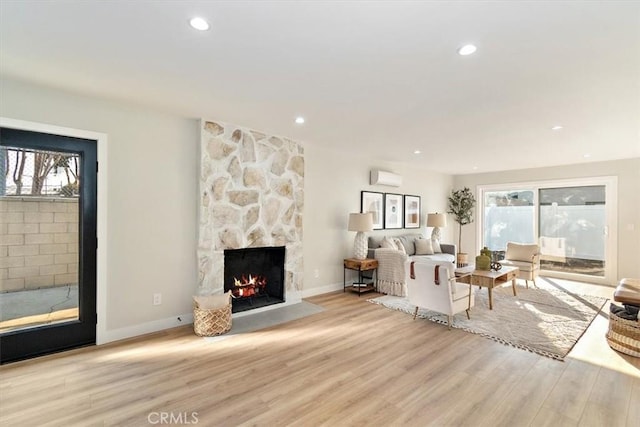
(495, 266)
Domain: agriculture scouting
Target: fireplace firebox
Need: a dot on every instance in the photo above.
(255, 277)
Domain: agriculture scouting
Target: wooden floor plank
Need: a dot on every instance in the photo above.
(580, 377)
(609, 400)
(355, 363)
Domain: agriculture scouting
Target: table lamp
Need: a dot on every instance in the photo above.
(361, 223)
(436, 220)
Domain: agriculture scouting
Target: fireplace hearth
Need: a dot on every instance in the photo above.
(255, 277)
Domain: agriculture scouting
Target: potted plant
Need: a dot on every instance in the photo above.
(461, 204)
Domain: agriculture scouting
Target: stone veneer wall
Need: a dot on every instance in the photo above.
(251, 195)
(38, 242)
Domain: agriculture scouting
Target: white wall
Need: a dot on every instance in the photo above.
(628, 173)
(152, 202)
(152, 182)
(333, 182)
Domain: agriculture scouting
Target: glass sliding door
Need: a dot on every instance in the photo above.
(573, 221)
(509, 216)
(573, 229)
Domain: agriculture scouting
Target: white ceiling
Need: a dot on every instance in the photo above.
(380, 77)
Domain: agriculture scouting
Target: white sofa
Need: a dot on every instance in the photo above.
(390, 278)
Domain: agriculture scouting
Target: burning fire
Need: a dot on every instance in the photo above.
(248, 286)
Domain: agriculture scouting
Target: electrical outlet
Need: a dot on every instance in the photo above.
(316, 273)
(157, 299)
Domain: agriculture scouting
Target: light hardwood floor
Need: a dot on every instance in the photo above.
(356, 363)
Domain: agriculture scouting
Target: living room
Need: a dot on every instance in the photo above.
(149, 200)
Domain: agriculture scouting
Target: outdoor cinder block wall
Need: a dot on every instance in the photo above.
(38, 242)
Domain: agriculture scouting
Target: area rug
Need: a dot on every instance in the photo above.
(544, 321)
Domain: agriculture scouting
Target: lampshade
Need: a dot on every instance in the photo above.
(360, 221)
(436, 220)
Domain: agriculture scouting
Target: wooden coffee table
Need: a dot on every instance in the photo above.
(490, 279)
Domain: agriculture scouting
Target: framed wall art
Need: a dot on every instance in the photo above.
(371, 201)
(393, 210)
(411, 211)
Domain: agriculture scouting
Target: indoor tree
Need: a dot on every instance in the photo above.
(461, 204)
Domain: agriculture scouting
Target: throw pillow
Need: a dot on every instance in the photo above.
(399, 245)
(388, 243)
(423, 247)
(436, 246)
(211, 302)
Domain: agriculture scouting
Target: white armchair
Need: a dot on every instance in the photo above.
(433, 286)
(526, 258)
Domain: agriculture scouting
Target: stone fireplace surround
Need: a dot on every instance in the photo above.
(251, 195)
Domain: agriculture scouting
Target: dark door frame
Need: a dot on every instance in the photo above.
(21, 344)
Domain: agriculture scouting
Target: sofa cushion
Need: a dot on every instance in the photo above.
(374, 242)
(407, 242)
(388, 243)
(399, 245)
(435, 244)
(423, 247)
(435, 257)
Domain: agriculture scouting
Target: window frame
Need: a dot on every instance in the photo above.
(611, 220)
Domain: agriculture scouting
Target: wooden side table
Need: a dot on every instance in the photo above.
(491, 279)
(360, 265)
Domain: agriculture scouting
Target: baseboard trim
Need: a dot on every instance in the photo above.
(182, 319)
(322, 290)
(108, 336)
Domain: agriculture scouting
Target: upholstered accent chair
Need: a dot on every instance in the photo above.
(432, 285)
(526, 257)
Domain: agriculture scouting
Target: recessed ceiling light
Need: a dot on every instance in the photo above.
(556, 128)
(299, 120)
(475, 168)
(199, 24)
(586, 156)
(417, 152)
(467, 49)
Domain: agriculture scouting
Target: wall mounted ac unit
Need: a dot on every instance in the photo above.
(378, 177)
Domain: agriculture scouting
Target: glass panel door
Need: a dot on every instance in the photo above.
(573, 229)
(39, 254)
(508, 217)
(48, 194)
(573, 221)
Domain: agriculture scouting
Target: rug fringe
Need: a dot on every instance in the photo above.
(483, 334)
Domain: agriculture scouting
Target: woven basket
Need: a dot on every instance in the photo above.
(624, 335)
(208, 323)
